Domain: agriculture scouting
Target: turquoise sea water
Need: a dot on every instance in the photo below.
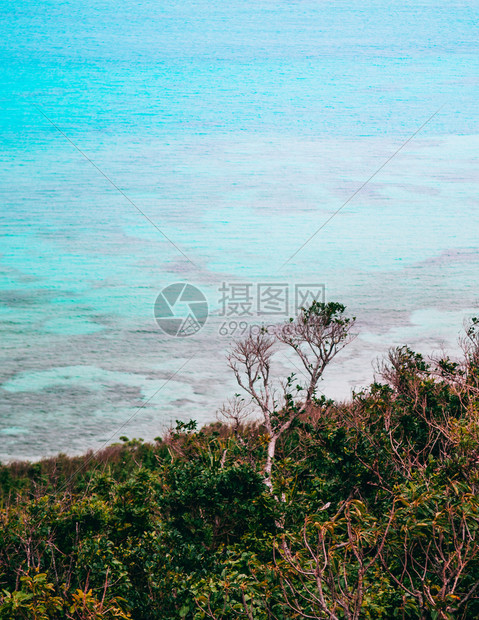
(238, 129)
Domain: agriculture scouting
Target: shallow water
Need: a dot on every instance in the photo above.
(238, 130)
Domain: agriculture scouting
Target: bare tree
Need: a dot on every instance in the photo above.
(250, 360)
(235, 411)
(470, 345)
(316, 335)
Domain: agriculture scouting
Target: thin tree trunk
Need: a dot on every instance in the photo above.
(269, 461)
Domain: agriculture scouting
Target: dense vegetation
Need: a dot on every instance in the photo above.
(312, 509)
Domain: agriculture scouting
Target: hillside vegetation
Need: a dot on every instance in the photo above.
(290, 506)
